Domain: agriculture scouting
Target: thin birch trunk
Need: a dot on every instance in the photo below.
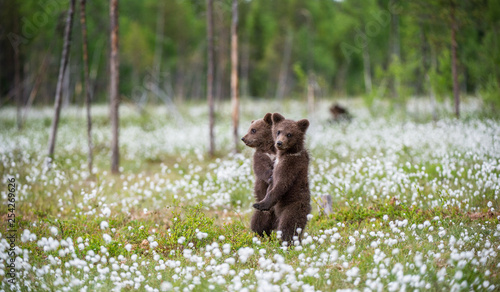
(454, 72)
(282, 79)
(234, 75)
(395, 51)
(36, 86)
(210, 77)
(62, 71)
(114, 83)
(18, 86)
(88, 90)
(17, 79)
(367, 69)
(160, 23)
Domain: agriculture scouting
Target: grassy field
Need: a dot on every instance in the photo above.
(415, 203)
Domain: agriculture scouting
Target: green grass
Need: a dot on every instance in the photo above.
(178, 216)
(185, 221)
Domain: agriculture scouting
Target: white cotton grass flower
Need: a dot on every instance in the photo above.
(104, 225)
(226, 248)
(48, 244)
(106, 212)
(27, 236)
(166, 286)
(278, 234)
(201, 235)
(53, 230)
(187, 253)
(107, 238)
(351, 273)
(309, 217)
(244, 253)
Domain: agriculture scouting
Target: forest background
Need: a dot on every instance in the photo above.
(374, 48)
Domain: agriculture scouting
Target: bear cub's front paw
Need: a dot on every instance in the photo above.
(262, 206)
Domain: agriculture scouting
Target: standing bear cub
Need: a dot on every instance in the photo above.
(289, 196)
(260, 137)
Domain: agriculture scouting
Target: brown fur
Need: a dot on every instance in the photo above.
(260, 137)
(289, 195)
(340, 113)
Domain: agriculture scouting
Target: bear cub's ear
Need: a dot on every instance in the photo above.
(303, 125)
(277, 118)
(268, 118)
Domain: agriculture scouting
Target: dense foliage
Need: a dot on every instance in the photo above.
(377, 48)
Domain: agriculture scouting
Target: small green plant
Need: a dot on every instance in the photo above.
(190, 224)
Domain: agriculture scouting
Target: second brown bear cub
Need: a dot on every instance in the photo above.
(289, 196)
(260, 137)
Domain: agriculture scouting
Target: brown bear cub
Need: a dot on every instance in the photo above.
(289, 196)
(260, 137)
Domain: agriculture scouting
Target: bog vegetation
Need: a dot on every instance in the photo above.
(415, 203)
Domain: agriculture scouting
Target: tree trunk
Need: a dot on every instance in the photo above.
(18, 85)
(36, 85)
(210, 77)
(287, 52)
(88, 89)
(245, 67)
(160, 23)
(454, 73)
(96, 60)
(180, 77)
(309, 86)
(113, 88)
(62, 71)
(310, 96)
(432, 95)
(17, 75)
(234, 75)
(366, 69)
(222, 48)
(395, 50)
(66, 85)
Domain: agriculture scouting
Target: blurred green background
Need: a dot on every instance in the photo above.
(370, 48)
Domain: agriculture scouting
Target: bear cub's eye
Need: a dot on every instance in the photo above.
(253, 131)
(289, 135)
(279, 132)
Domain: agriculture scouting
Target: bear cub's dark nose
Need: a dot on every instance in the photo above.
(279, 143)
(243, 139)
